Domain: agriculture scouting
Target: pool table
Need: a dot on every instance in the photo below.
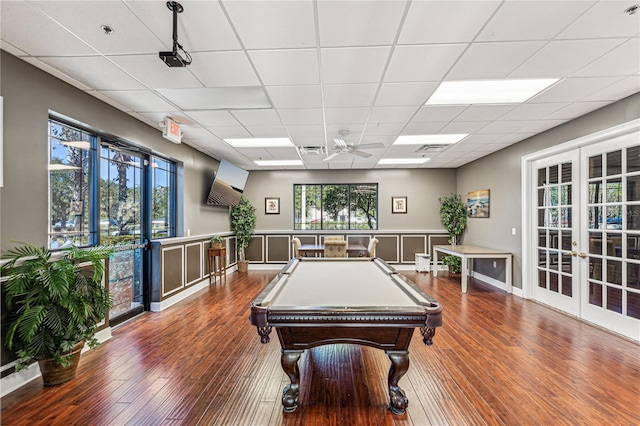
(364, 301)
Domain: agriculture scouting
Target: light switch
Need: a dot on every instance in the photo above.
(513, 231)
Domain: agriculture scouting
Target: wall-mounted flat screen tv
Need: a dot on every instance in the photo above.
(228, 185)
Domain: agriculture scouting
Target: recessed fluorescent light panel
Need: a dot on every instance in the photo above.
(403, 160)
(429, 139)
(488, 91)
(259, 142)
(271, 163)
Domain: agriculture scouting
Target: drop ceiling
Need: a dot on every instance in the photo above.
(308, 69)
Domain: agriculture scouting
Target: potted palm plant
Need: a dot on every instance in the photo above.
(243, 225)
(54, 304)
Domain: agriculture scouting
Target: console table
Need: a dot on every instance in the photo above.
(221, 255)
(468, 252)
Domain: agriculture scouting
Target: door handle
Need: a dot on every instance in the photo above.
(574, 253)
(583, 255)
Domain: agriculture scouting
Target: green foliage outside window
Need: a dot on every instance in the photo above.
(335, 206)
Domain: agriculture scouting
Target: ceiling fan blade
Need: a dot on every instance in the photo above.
(332, 156)
(369, 146)
(360, 153)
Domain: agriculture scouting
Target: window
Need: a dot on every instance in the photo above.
(98, 189)
(71, 152)
(163, 198)
(336, 206)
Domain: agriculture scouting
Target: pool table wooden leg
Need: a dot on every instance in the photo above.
(289, 360)
(399, 365)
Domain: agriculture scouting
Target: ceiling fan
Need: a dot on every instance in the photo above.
(342, 147)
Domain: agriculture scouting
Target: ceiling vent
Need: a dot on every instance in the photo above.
(432, 148)
(311, 150)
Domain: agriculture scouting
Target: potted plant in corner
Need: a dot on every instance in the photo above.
(54, 304)
(243, 225)
(216, 242)
(453, 216)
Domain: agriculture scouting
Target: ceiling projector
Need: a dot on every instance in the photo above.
(174, 59)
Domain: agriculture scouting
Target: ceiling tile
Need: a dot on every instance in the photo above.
(229, 132)
(423, 62)
(575, 110)
(404, 94)
(352, 23)
(423, 128)
(445, 21)
(295, 96)
(85, 18)
(559, 58)
(438, 113)
(539, 126)
(573, 89)
(503, 126)
(391, 114)
(153, 73)
(618, 90)
(273, 24)
(623, 60)
(301, 116)
(349, 95)
(527, 20)
(201, 26)
(382, 129)
(346, 115)
(218, 98)
(29, 38)
(223, 69)
(484, 112)
(531, 111)
(139, 100)
(605, 19)
(492, 60)
(286, 67)
(212, 118)
(353, 65)
(55, 72)
(268, 131)
(459, 127)
(256, 117)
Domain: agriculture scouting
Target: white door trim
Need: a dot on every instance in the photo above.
(527, 196)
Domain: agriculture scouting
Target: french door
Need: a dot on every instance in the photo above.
(587, 228)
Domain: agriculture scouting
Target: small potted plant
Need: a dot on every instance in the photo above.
(217, 242)
(243, 225)
(453, 262)
(54, 303)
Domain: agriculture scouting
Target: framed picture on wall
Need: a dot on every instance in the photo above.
(398, 204)
(478, 203)
(272, 206)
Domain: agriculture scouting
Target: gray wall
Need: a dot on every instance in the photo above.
(29, 94)
(500, 173)
(422, 187)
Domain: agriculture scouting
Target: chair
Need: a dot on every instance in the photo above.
(333, 248)
(296, 247)
(333, 239)
(371, 248)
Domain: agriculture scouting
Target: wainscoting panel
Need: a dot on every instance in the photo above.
(193, 262)
(412, 244)
(278, 248)
(387, 248)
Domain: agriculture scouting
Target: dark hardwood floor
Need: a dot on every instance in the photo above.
(497, 359)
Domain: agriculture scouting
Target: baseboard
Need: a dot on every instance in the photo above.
(492, 281)
(15, 381)
(164, 304)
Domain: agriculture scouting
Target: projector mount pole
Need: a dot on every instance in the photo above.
(176, 8)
